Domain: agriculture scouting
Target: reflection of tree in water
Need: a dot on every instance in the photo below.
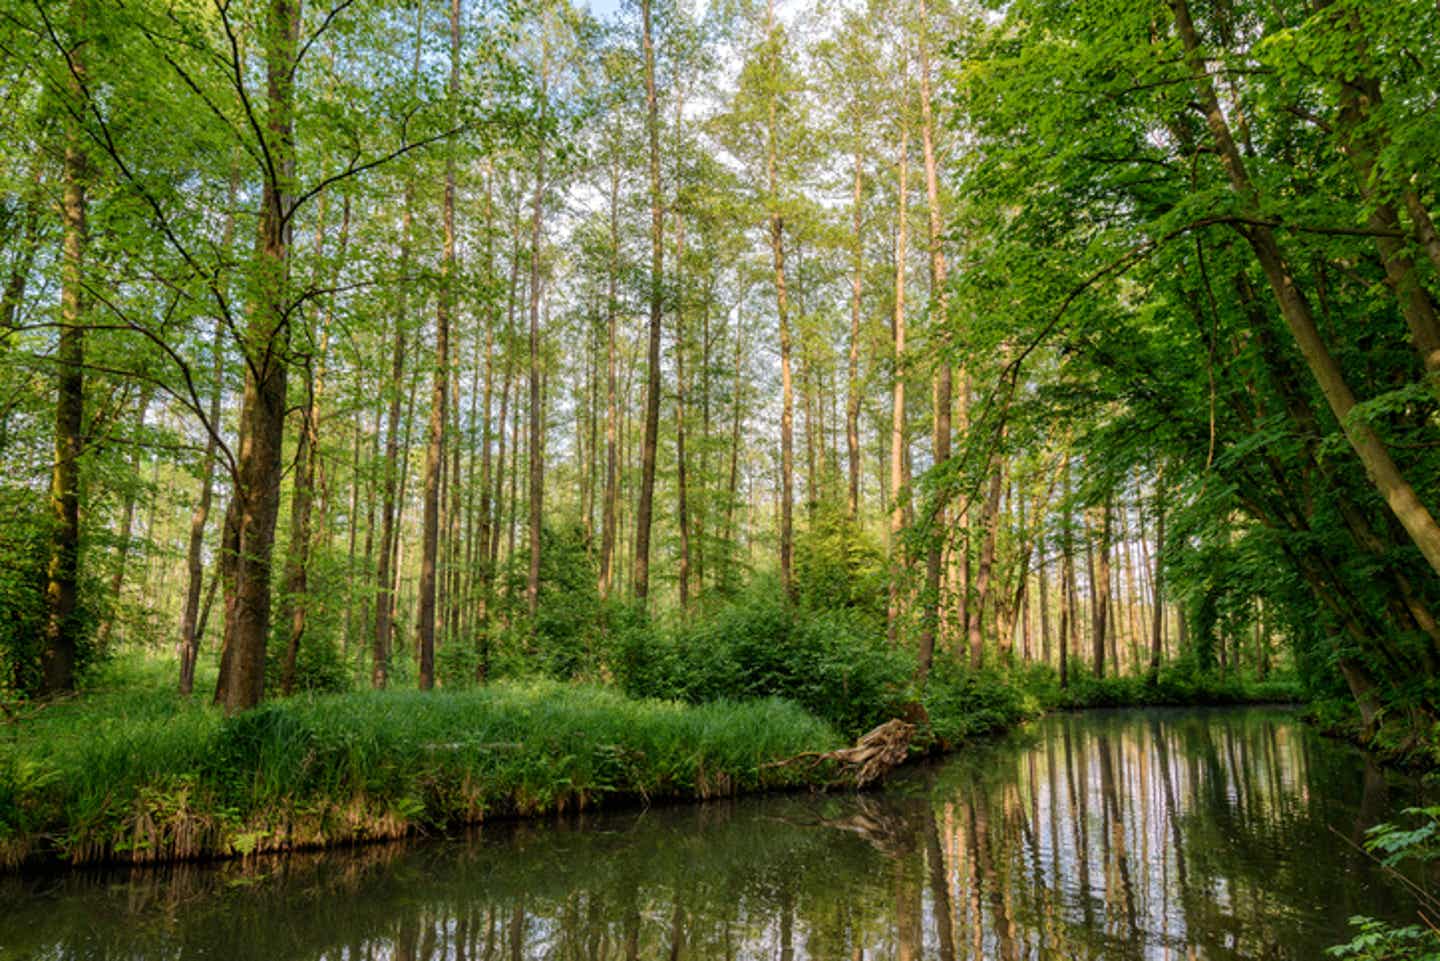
(1196, 834)
(1183, 835)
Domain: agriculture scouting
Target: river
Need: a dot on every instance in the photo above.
(1214, 834)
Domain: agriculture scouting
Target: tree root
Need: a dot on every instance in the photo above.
(874, 755)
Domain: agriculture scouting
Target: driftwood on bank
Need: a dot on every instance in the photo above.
(874, 755)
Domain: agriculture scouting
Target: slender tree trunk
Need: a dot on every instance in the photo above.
(439, 400)
(641, 580)
(787, 392)
(389, 528)
(294, 602)
(1100, 593)
(189, 633)
(537, 410)
(682, 506)
(733, 478)
(127, 522)
(939, 319)
(1158, 612)
(1067, 581)
(62, 628)
(897, 404)
(990, 525)
(857, 276)
(612, 412)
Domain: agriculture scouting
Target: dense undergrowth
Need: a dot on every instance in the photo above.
(134, 777)
(128, 771)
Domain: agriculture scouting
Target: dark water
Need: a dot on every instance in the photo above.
(1137, 834)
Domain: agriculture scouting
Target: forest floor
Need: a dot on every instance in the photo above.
(129, 772)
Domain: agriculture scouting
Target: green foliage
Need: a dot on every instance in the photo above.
(24, 549)
(564, 639)
(834, 663)
(1378, 941)
(962, 704)
(1395, 844)
(838, 565)
(1178, 684)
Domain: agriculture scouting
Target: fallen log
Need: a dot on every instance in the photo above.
(875, 754)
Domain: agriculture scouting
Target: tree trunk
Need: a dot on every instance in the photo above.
(934, 600)
(787, 391)
(439, 399)
(612, 412)
(537, 410)
(189, 624)
(389, 528)
(127, 522)
(643, 512)
(262, 413)
(897, 403)
(1100, 593)
(62, 627)
(852, 382)
(990, 524)
(682, 506)
(1158, 614)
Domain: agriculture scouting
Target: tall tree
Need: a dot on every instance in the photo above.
(256, 502)
(62, 627)
(646, 506)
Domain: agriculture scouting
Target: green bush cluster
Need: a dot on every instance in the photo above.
(24, 549)
(1178, 684)
(832, 663)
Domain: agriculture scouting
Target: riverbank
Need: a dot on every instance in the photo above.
(150, 785)
(131, 773)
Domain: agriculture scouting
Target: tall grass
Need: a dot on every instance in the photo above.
(159, 783)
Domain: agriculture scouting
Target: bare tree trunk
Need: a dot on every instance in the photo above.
(189, 632)
(1100, 593)
(682, 507)
(612, 413)
(641, 579)
(897, 404)
(787, 392)
(439, 399)
(127, 522)
(537, 410)
(934, 600)
(1158, 613)
(389, 528)
(61, 645)
(294, 603)
(852, 382)
(990, 525)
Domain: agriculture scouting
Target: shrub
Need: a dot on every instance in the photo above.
(832, 663)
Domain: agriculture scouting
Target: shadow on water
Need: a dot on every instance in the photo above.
(1220, 834)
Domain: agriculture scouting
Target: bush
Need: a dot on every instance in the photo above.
(832, 663)
(24, 552)
(962, 703)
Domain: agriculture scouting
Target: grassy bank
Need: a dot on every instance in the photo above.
(130, 780)
(130, 772)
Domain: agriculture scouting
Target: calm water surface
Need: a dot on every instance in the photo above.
(1219, 834)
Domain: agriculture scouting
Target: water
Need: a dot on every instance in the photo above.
(1220, 834)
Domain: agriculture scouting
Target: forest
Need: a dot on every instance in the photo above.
(727, 373)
